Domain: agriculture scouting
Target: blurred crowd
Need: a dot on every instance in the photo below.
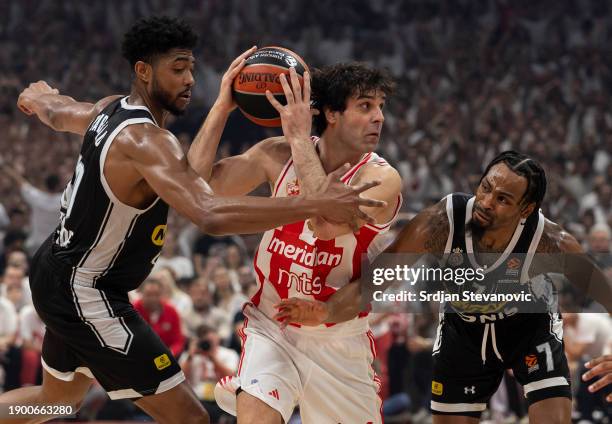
(473, 78)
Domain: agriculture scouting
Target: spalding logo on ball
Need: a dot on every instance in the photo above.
(260, 73)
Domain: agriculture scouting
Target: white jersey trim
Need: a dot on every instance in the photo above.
(458, 407)
(65, 375)
(127, 106)
(451, 223)
(535, 241)
(546, 383)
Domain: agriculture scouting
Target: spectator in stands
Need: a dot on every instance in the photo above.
(44, 206)
(225, 296)
(205, 312)
(246, 280)
(181, 266)
(9, 355)
(32, 331)
(171, 293)
(599, 245)
(160, 315)
(206, 362)
(15, 286)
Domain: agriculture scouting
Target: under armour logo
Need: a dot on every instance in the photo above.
(471, 390)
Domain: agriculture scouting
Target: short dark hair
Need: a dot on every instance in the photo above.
(333, 85)
(526, 167)
(150, 37)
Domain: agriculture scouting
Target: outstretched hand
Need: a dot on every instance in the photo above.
(343, 202)
(599, 367)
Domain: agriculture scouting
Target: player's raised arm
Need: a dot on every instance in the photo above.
(203, 150)
(158, 157)
(424, 235)
(62, 113)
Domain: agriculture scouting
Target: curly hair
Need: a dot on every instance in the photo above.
(526, 167)
(333, 85)
(150, 37)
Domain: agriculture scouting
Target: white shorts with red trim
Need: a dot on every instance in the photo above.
(330, 378)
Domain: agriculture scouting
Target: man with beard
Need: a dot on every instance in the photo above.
(113, 222)
(501, 227)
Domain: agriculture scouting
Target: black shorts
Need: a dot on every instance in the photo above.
(97, 333)
(470, 359)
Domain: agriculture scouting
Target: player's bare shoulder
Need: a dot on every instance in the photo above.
(556, 240)
(381, 171)
(276, 149)
(144, 142)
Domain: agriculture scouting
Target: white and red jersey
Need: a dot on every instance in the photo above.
(291, 262)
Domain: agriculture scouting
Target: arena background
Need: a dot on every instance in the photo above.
(474, 78)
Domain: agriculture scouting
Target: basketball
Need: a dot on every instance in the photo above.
(260, 73)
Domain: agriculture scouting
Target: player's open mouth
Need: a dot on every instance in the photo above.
(186, 96)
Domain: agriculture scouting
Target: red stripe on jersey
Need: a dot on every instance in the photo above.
(364, 238)
(257, 296)
(280, 181)
(352, 172)
(397, 206)
(372, 343)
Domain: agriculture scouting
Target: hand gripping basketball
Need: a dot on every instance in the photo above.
(225, 99)
(296, 115)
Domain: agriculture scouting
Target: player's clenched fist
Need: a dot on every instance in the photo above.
(27, 101)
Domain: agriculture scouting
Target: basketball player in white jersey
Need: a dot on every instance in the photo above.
(325, 370)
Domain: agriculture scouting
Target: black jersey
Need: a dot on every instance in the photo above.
(107, 243)
(509, 272)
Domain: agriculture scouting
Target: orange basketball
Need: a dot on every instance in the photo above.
(260, 73)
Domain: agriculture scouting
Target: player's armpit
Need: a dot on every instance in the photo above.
(241, 174)
(388, 191)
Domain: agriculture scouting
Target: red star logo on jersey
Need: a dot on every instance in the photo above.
(293, 188)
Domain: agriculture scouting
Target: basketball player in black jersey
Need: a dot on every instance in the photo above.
(113, 221)
(473, 350)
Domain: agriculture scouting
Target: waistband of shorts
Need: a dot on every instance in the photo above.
(354, 327)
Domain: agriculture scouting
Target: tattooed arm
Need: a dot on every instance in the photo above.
(424, 235)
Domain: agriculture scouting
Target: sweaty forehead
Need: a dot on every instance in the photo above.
(502, 178)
